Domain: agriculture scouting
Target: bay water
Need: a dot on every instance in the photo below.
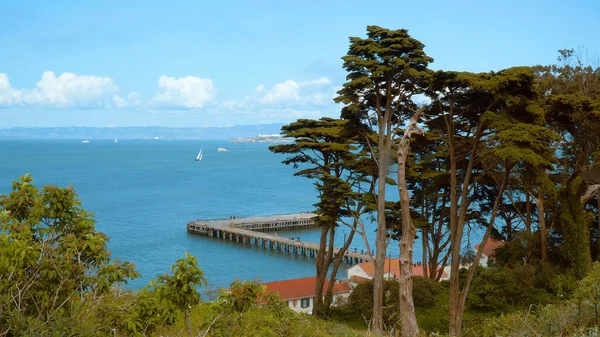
(143, 193)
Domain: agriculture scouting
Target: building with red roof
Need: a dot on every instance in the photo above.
(366, 270)
(488, 250)
(300, 293)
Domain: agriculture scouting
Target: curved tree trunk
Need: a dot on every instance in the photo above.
(424, 244)
(543, 234)
(408, 317)
(319, 309)
(473, 268)
(380, 250)
(339, 258)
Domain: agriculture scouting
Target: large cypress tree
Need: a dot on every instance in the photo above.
(322, 151)
(384, 71)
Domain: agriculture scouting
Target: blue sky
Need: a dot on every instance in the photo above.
(208, 63)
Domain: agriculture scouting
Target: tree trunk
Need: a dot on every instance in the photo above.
(598, 244)
(380, 246)
(436, 237)
(319, 309)
(408, 316)
(425, 244)
(339, 258)
(455, 238)
(543, 235)
(188, 324)
(473, 268)
(328, 298)
(528, 211)
(457, 222)
(455, 243)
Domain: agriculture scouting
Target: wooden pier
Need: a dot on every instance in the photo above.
(252, 231)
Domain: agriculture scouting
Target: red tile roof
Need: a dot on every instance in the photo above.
(490, 246)
(417, 271)
(389, 266)
(358, 279)
(393, 266)
(301, 288)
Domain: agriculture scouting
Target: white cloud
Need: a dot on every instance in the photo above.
(8, 95)
(188, 92)
(4, 83)
(119, 102)
(279, 102)
(68, 90)
(132, 101)
(290, 93)
(318, 81)
(287, 101)
(286, 92)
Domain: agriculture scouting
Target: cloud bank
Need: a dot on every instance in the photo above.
(284, 100)
(65, 91)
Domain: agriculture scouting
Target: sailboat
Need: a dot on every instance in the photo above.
(199, 156)
(116, 141)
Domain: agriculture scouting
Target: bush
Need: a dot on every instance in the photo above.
(575, 317)
(501, 288)
(425, 291)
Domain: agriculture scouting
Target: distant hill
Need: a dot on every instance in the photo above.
(137, 132)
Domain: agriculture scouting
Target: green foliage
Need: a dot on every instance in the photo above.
(387, 60)
(261, 322)
(360, 301)
(180, 289)
(158, 304)
(587, 293)
(500, 289)
(147, 313)
(425, 292)
(52, 260)
(322, 151)
(241, 295)
(575, 221)
(571, 317)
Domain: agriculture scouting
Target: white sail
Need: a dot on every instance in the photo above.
(199, 156)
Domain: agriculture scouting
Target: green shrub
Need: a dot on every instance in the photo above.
(425, 291)
(502, 288)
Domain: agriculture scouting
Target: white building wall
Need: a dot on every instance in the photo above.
(298, 306)
(484, 260)
(338, 299)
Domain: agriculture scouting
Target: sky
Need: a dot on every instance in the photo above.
(223, 63)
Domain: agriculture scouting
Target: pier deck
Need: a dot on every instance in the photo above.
(252, 230)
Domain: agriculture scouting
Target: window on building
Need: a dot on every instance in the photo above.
(305, 303)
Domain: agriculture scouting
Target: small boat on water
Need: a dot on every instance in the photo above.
(85, 141)
(116, 141)
(199, 156)
(221, 149)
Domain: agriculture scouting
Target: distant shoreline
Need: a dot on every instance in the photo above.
(139, 132)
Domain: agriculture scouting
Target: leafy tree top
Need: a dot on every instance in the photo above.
(384, 71)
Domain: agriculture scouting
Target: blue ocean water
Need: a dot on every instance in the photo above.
(143, 193)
